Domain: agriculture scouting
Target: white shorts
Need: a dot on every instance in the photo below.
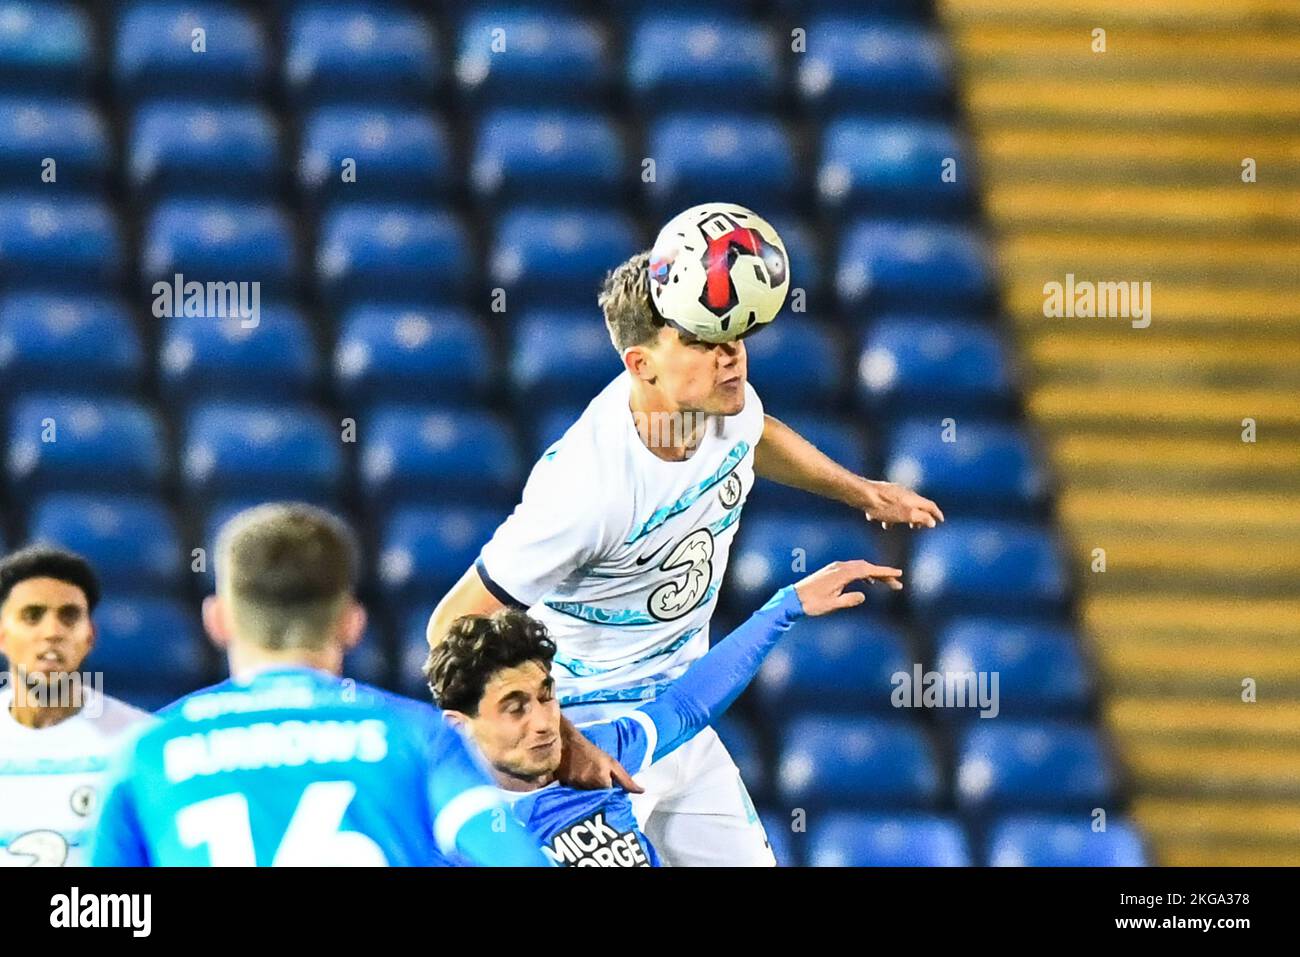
(696, 810)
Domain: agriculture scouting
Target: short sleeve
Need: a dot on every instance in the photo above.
(752, 416)
(558, 526)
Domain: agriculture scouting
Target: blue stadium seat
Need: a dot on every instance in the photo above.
(741, 743)
(70, 132)
(90, 340)
(369, 662)
(989, 468)
(46, 47)
(707, 157)
(1040, 669)
(534, 156)
(551, 426)
(387, 353)
(1044, 765)
(208, 358)
(868, 66)
(949, 369)
(357, 52)
(808, 267)
(220, 242)
(411, 454)
(1038, 840)
(769, 547)
(688, 61)
(132, 542)
(844, 839)
(399, 154)
(549, 57)
(156, 51)
(560, 357)
(893, 169)
(213, 149)
(413, 650)
(885, 10)
(59, 442)
(973, 566)
(842, 662)
(425, 549)
(796, 363)
(542, 257)
(839, 761)
(388, 252)
(149, 644)
(233, 448)
(887, 265)
(63, 244)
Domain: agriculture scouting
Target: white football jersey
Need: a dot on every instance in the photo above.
(51, 779)
(620, 553)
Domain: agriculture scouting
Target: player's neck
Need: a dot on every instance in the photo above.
(42, 702)
(509, 782)
(670, 432)
(246, 661)
(38, 717)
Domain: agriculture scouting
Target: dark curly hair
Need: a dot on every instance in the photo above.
(475, 648)
(49, 561)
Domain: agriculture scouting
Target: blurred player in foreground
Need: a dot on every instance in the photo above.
(492, 674)
(620, 545)
(286, 763)
(57, 731)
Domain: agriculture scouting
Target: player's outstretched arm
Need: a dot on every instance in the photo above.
(469, 596)
(711, 684)
(784, 456)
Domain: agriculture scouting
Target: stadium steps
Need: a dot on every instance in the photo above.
(1192, 159)
(1189, 306)
(1126, 166)
(1223, 832)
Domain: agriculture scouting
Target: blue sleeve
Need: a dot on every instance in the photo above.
(626, 739)
(711, 684)
(118, 840)
(469, 818)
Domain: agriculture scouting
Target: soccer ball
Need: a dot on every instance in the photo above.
(719, 271)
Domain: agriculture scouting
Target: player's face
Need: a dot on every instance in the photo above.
(518, 722)
(699, 376)
(45, 627)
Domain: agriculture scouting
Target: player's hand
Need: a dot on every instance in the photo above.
(890, 503)
(583, 765)
(824, 590)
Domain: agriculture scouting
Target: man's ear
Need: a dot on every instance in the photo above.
(638, 361)
(456, 719)
(352, 627)
(216, 621)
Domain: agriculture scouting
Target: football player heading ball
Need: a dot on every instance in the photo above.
(621, 539)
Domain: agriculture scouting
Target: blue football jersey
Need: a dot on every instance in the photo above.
(298, 767)
(581, 828)
(593, 828)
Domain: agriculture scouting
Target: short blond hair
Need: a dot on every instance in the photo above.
(625, 300)
(285, 570)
